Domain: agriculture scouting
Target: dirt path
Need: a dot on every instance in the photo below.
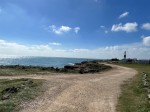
(80, 93)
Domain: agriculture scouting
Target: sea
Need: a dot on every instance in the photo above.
(42, 61)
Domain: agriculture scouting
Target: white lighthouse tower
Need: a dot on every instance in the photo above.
(125, 55)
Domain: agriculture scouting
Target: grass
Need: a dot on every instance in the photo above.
(13, 92)
(134, 97)
(83, 67)
(24, 70)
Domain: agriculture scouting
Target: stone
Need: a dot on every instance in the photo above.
(5, 97)
(148, 96)
(70, 67)
(146, 84)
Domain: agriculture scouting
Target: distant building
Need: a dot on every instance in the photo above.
(134, 60)
(124, 60)
(144, 61)
(125, 55)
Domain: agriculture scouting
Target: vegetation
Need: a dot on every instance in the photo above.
(87, 67)
(134, 96)
(83, 67)
(24, 70)
(13, 92)
(17, 91)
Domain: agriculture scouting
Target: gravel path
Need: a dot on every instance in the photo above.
(79, 93)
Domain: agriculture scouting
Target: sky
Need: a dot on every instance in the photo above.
(100, 29)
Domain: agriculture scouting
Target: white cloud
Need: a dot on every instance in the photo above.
(128, 27)
(146, 26)
(55, 43)
(76, 29)
(63, 29)
(59, 30)
(137, 50)
(102, 26)
(146, 41)
(81, 50)
(4, 44)
(123, 15)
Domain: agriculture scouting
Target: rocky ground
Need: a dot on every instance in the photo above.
(96, 92)
(82, 68)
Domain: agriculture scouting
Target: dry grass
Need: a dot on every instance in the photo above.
(13, 92)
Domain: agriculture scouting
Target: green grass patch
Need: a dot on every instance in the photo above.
(24, 70)
(13, 92)
(83, 67)
(134, 97)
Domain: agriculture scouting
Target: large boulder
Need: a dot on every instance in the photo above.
(72, 67)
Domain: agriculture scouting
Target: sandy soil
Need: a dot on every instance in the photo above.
(79, 93)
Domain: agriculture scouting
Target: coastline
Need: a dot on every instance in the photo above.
(41, 61)
(82, 68)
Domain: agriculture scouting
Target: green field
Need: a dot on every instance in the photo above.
(13, 92)
(134, 97)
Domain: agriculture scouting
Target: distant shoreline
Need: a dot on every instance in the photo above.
(82, 68)
(41, 61)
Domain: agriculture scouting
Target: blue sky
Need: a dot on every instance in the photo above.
(75, 28)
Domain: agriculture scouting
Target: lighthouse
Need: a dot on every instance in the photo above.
(125, 56)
